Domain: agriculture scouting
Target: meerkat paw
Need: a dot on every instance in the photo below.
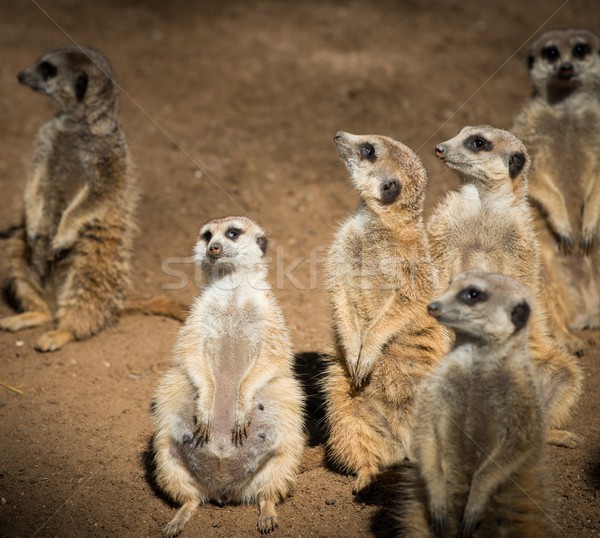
(563, 438)
(183, 515)
(587, 242)
(438, 518)
(565, 243)
(267, 520)
(364, 478)
(240, 428)
(53, 340)
(202, 431)
(61, 243)
(26, 320)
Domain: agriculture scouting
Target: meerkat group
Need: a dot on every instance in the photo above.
(437, 383)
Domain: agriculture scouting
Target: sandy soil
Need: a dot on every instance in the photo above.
(230, 108)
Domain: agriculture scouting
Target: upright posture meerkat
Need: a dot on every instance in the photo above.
(380, 278)
(560, 126)
(487, 225)
(229, 414)
(70, 264)
(479, 434)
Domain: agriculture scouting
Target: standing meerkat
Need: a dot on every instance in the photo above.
(380, 278)
(560, 125)
(70, 260)
(479, 426)
(229, 413)
(487, 225)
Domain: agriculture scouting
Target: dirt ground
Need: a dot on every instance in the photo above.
(230, 108)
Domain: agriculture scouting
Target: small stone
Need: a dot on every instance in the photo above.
(19, 343)
(329, 502)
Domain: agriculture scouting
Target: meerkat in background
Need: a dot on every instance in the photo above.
(487, 225)
(560, 126)
(70, 259)
(479, 427)
(229, 414)
(380, 279)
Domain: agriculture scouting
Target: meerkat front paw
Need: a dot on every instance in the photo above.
(240, 428)
(53, 340)
(61, 243)
(565, 244)
(588, 238)
(202, 431)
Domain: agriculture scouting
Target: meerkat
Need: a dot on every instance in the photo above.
(479, 425)
(229, 413)
(560, 125)
(380, 278)
(487, 225)
(70, 259)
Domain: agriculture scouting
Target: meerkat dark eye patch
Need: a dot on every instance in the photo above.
(367, 151)
(81, 84)
(516, 162)
(520, 315)
(233, 233)
(472, 295)
(389, 191)
(550, 53)
(206, 236)
(530, 61)
(477, 143)
(262, 243)
(47, 70)
(581, 50)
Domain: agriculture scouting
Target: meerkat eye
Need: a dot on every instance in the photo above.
(233, 233)
(477, 143)
(47, 70)
(206, 236)
(581, 50)
(550, 53)
(471, 296)
(367, 151)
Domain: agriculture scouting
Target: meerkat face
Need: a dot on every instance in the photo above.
(485, 154)
(230, 244)
(484, 306)
(563, 61)
(384, 171)
(73, 76)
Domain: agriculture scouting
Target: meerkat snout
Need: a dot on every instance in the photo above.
(440, 151)
(433, 309)
(215, 249)
(566, 71)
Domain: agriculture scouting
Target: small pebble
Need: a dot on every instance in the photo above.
(19, 343)
(329, 502)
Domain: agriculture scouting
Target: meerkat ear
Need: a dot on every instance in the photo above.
(81, 84)
(520, 315)
(516, 162)
(530, 61)
(262, 243)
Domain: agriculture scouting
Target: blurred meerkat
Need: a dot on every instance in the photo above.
(486, 225)
(380, 279)
(479, 426)
(560, 124)
(70, 261)
(229, 413)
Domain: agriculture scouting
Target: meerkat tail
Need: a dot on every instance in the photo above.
(159, 305)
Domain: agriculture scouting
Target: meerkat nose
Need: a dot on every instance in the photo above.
(337, 136)
(433, 309)
(215, 249)
(21, 77)
(566, 70)
(440, 151)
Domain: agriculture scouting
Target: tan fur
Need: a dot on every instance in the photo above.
(70, 265)
(479, 433)
(560, 125)
(380, 277)
(228, 415)
(487, 225)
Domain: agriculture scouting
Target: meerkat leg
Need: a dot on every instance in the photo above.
(591, 215)
(267, 519)
(183, 515)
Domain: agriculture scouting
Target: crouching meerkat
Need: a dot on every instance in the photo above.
(380, 279)
(560, 125)
(479, 425)
(229, 413)
(487, 225)
(70, 259)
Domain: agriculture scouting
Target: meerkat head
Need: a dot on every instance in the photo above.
(562, 62)
(77, 78)
(489, 307)
(486, 155)
(230, 244)
(386, 173)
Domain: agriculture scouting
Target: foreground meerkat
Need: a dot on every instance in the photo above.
(479, 425)
(70, 259)
(380, 278)
(229, 413)
(560, 125)
(486, 225)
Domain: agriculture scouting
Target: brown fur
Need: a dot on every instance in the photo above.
(479, 433)
(228, 415)
(380, 277)
(560, 125)
(487, 225)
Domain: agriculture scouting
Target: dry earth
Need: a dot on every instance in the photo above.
(230, 108)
